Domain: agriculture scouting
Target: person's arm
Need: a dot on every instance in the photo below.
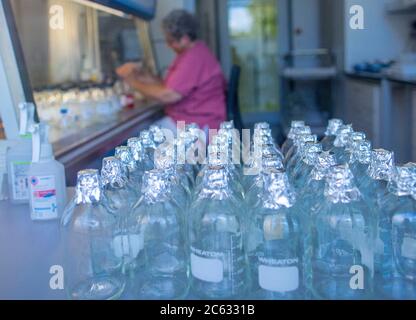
(155, 91)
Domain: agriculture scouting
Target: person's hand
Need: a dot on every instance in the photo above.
(128, 70)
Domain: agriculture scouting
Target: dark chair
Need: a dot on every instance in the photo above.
(233, 105)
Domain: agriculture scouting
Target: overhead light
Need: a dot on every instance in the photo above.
(103, 8)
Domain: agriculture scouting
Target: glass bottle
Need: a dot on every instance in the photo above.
(360, 159)
(300, 144)
(295, 125)
(149, 147)
(352, 140)
(125, 155)
(341, 141)
(397, 232)
(296, 134)
(93, 260)
(161, 247)
(273, 242)
(304, 167)
(343, 238)
(218, 259)
(331, 133)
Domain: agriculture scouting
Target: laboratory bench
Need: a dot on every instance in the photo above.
(85, 147)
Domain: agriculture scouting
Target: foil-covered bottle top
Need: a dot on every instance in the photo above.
(228, 125)
(136, 149)
(217, 155)
(333, 127)
(215, 177)
(340, 186)
(272, 161)
(310, 152)
(157, 134)
(298, 130)
(261, 125)
(89, 187)
(146, 139)
(156, 185)
(165, 157)
(343, 135)
(125, 155)
(354, 138)
(403, 181)
(381, 165)
(323, 162)
(114, 173)
(279, 193)
(361, 152)
(303, 139)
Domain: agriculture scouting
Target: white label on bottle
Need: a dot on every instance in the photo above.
(43, 197)
(409, 248)
(128, 245)
(278, 279)
(207, 269)
(20, 183)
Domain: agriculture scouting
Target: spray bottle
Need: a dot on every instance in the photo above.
(46, 178)
(19, 156)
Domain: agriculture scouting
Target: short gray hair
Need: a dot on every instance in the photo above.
(181, 23)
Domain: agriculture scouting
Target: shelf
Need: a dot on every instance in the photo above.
(401, 8)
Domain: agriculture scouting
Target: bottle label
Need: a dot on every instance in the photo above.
(409, 248)
(128, 245)
(279, 275)
(207, 266)
(43, 197)
(20, 183)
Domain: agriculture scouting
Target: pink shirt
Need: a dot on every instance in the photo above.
(197, 76)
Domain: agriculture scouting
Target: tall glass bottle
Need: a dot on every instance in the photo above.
(89, 227)
(352, 140)
(294, 127)
(300, 144)
(273, 242)
(341, 141)
(218, 259)
(304, 167)
(342, 262)
(161, 255)
(149, 146)
(331, 133)
(125, 155)
(398, 233)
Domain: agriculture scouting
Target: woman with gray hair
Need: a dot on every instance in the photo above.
(194, 88)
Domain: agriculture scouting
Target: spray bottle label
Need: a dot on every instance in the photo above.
(20, 183)
(43, 197)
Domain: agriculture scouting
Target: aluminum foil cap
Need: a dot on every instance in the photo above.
(156, 186)
(323, 162)
(89, 188)
(165, 157)
(381, 165)
(261, 125)
(295, 132)
(343, 135)
(272, 161)
(227, 125)
(136, 149)
(403, 181)
(303, 139)
(340, 186)
(146, 139)
(310, 152)
(333, 127)
(157, 134)
(215, 183)
(114, 173)
(361, 152)
(353, 139)
(125, 155)
(279, 193)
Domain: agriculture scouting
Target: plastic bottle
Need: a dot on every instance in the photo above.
(19, 157)
(46, 178)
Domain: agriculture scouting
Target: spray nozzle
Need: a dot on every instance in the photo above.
(27, 117)
(42, 149)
